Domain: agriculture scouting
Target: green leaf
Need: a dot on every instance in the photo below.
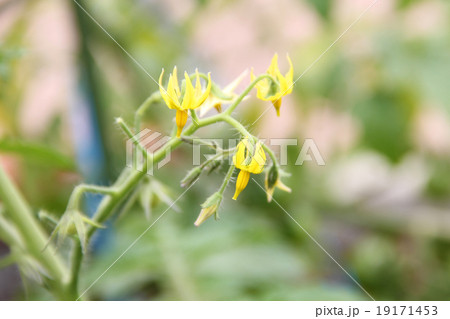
(37, 152)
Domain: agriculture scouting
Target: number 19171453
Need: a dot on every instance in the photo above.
(407, 310)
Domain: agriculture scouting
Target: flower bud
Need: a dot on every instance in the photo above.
(213, 166)
(191, 177)
(273, 181)
(271, 177)
(209, 208)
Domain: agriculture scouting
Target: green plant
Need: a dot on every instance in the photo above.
(32, 248)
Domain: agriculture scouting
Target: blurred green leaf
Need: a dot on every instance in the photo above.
(385, 120)
(323, 7)
(37, 152)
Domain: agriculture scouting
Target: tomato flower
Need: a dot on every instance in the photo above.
(249, 158)
(183, 100)
(268, 90)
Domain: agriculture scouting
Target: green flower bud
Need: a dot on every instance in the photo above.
(191, 177)
(209, 208)
(273, 181)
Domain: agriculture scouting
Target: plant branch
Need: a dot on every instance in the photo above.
(247, 91)
(30, 230)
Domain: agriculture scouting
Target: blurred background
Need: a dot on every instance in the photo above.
(376, 104)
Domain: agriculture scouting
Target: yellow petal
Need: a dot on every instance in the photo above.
(269, 192)
(241, 183)
(273, 65)
(198, 85)
(269, 189)
(205, 94)
(258, 161)
(239, 157)
(283, 89)
(189, 93)
(163, 91)
(169, 96)
(283, 187)
(262, 87)
(290, 74)
(233, 85)
(175, 82)
(172, 93)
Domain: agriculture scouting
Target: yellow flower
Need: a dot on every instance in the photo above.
(226, 96)
(270, 91)
(273, 181)
(249, 158)
(192, 98)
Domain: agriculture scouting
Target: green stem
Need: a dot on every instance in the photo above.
(238, 126)
(76, 260)
(227, 179)
(194, 116)
(154, 98)
(247, 91)
(33, 235)
(75, 198)
(271, 154)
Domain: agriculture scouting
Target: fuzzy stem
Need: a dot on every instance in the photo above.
(247, 91)
(33, 235)
(154, 98)
(194, 116)
(238, 126)
(271, 154)
(227, 179)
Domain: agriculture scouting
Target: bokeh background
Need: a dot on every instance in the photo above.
(376, 104)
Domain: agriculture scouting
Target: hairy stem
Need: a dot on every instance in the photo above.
(271, 154)
(33, 235)
(154, 98)
(227, 179)
(247, 91)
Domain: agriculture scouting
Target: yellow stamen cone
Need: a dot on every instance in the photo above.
(241, 182)
(277, 104)
(181, 119)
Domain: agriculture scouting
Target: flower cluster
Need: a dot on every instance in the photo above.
(250, 154)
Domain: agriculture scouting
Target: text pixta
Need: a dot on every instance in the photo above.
(337, 311)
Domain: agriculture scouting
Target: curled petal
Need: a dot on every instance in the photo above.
(273, 68)
(205, 94)
(189, 94)
(258, 161)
